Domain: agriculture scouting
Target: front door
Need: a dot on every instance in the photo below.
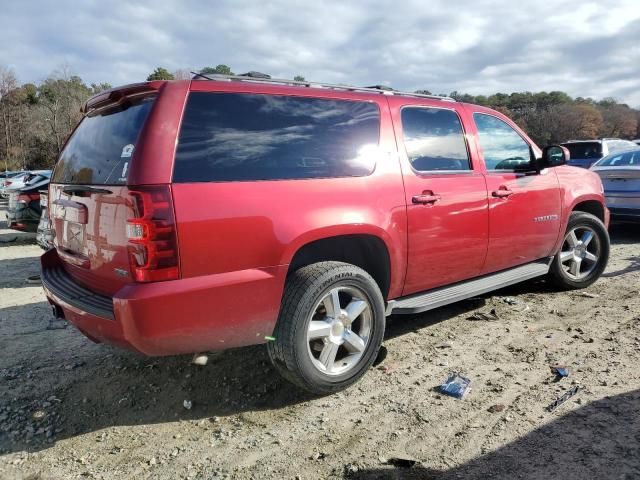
(446, 197)
(524, 208)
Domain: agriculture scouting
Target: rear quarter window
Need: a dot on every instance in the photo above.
(244, 137)
(100, 150)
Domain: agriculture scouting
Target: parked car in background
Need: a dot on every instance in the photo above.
(636, 141)
(209, 214)
(13, 178)
(585, 153)
(620, 174)
(24, 210)
(44, 234)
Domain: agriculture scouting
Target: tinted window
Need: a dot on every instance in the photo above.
(502, 147)
(592, 150)
(620, 160)
(232, 136)
(434, 139)
(100, 150)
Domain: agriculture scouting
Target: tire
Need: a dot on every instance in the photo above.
(302, 351)
(590, 241)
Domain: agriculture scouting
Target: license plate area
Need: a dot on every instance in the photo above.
(74, 237)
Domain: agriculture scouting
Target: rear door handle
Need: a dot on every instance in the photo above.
(502, 192)
(426, 198)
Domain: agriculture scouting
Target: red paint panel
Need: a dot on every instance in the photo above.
(447, 239)
(152, 161)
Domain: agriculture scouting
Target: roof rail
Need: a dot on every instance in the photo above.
(378, 89)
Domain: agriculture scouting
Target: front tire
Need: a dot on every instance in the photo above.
(583, 255)
(330, 327)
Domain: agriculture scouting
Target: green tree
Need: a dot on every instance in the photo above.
(160, 73)
(218, 70)
(100, 87)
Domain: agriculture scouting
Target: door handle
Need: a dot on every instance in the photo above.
(426, 198)
(502, 192)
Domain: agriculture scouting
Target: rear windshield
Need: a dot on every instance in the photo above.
(242, 137)
(621, 160)
(584, 150)
(101, 148)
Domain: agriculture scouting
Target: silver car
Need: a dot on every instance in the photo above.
(620, 174)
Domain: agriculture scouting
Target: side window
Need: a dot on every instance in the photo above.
(434, 139)
(244, 137)
(502, 147)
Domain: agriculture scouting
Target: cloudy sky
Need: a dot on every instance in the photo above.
(476, 46)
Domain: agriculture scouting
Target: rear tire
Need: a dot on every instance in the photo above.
(330, 327)
(583, 255)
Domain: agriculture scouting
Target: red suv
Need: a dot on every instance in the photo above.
(201, 215)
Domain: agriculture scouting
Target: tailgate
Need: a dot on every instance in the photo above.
(90, 234)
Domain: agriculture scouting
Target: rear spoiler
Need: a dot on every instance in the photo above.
(115, 95)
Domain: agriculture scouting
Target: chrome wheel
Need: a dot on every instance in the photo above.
(339, 330)
(580, 252)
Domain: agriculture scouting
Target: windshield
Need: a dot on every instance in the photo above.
(100, 150)
(584, 150)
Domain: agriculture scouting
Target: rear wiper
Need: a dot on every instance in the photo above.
(71, 189)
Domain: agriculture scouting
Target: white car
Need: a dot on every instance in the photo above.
(23, 180)
(7, 184)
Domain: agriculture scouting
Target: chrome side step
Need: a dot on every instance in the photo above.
(438, 297)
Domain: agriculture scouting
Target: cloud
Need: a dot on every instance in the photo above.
(475, 46)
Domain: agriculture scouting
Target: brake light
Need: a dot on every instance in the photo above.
(7, 183)
(153, 245)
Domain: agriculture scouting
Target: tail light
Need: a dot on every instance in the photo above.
(153, 246)
(7, 183)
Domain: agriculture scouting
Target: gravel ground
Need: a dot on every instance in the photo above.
(72, 409)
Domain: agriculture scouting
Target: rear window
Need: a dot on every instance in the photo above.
(584, 150)
(621, 160)
(242, 137)
(101, 148)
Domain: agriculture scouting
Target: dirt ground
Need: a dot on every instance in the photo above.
(72, 409)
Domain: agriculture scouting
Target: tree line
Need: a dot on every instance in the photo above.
(35, 119)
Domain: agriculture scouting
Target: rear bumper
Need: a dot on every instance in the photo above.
(212, 312)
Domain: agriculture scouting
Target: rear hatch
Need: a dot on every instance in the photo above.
(90, 202)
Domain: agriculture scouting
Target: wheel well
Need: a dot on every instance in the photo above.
(593, 207)
(365, 251)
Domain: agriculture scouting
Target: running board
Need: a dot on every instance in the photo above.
(439, 297)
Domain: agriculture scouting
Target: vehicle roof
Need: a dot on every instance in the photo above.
(373, 90)
(239, 82)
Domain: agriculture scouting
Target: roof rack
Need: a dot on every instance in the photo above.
(378, 89)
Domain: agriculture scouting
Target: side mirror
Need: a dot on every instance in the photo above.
(553, 156)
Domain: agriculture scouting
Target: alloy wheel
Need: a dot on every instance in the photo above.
(580, 252)
(339, 330)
